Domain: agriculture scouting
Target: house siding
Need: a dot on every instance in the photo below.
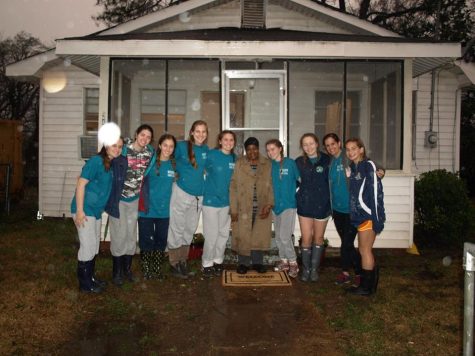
(278, 15)
(443, 156)
(61, 121)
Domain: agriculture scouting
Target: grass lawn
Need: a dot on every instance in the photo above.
(418, 309)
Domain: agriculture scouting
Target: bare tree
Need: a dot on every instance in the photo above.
(115, 12)
(17, 97)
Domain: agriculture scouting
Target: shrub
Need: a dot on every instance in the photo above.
(444, 215)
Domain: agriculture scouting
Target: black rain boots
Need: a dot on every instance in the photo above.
(85, 271)
(117, 277)
(366, 286)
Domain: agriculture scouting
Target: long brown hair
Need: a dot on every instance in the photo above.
(304, 136)
(221, 135)
(191, 141)
(159, 151)
(106, 161)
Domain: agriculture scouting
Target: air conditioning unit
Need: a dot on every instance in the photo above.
(87, 146)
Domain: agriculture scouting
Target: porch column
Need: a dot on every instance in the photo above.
(104, 91)
(407, 117)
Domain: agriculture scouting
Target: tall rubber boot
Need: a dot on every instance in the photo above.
(84, 273)
(127, 268)
(366, 285)
(146, 264)
(117, 278)
(158, 257)
(96, 280)
(317, 252)
(306, 255)
(375, 279)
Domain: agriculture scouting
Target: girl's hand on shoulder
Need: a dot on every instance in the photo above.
(80, 219)
(380, 173)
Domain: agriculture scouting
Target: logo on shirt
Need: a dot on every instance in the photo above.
(284, 172)
(203, 155)
(231, 165)
(170, 174)
(339, 168)
(319, 169)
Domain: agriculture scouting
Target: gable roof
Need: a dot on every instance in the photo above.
(191, 6)
(146, 37)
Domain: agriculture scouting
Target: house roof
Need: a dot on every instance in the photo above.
(240, 34)
(138, 24)
(368, 41)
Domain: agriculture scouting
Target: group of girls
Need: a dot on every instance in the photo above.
(165, 190)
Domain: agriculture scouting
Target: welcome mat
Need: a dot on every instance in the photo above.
(254, 279)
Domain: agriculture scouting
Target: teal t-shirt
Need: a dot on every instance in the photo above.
(161, 181)
(284, 183)
(219, 170)
(191, 179)
(98, 188)
(340, 194)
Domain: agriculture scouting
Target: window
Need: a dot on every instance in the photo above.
(168, 95)
(91, 111)
(351, 98)
(153, 111)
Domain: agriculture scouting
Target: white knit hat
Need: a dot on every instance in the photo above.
(108, 134)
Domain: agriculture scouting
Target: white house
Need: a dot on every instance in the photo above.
(268, 68)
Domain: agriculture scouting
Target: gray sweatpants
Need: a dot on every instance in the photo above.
(216, 222)
(123, 231)
(185, 212)
(89, 238)
(284, 225)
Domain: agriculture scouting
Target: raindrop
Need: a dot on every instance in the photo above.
(215, 79)
(195, 106)
(145, 62)
(175, 79)
(67, 62)
(70, 24)
(185, 17)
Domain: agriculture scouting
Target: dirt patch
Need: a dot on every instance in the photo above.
(200, 317)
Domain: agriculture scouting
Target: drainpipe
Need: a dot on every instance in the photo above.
(431, 138)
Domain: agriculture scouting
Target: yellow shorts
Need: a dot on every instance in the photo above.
(366, 225)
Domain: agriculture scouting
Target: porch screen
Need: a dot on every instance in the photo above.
(165, 94)
(352, 99)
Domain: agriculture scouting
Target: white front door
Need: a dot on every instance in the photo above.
(255, 104)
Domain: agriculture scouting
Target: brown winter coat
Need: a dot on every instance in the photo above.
(245, 236)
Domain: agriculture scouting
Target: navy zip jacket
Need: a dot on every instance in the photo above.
(313, 196)
(366, 195)
(119, 171)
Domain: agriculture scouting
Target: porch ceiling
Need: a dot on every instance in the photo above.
(235, 44)
(419, 65)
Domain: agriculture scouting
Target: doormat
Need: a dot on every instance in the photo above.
(254, 279)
